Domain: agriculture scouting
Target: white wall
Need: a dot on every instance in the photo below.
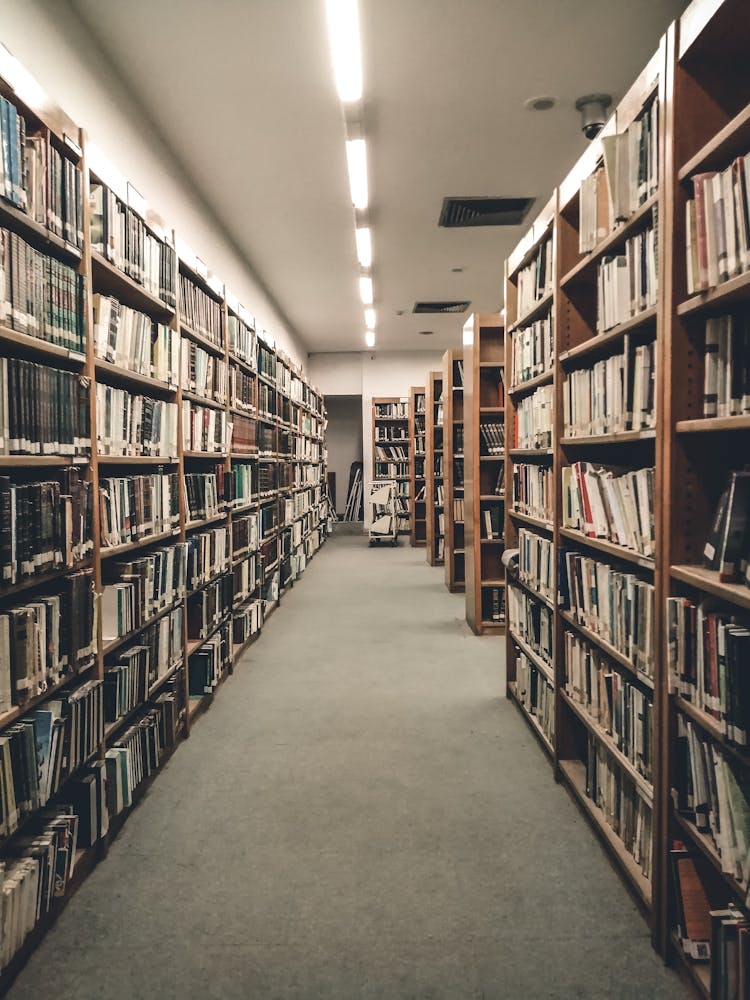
(52, 44)
(344, 441)
(386, 373)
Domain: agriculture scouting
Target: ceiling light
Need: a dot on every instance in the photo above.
(370, 318)
(343, 33)
(426, 333)
(370, 338)
(543, 103)
(364, 247)
(365, 290)
(356, 160)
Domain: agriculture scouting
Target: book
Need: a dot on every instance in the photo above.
(691, 882)
(204, 429)
(132, 508)
(616, 395)
(610, 503)
(627, 283)
(726, 367)
(536, 564)
(207, 556)
(203, 373)
(531, 621)
(532, 350)
(532, 428)
(535, 280)
(533, 490)
(135, 590)
(718, 245)
(535, 694)
(134, 425)
(243, 344)
(134, 341)
(208, 663)
(43, 410)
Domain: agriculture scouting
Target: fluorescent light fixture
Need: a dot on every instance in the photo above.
(365, 290)
(343, 33)
(370, 338)
(356, 161)
(364, 247)
(370, 318)
(467, 334)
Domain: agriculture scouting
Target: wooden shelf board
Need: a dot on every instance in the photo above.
(541, 665)
(492, 364)
(603, 342)
(199, 400)
(137, 460)
(735, 290)
(574, 773)
(699, 973)
(514, 581)
(214, 456)
(708, 425)
(28, 582)
(41, 461)
(115, 373)
(706, 846)
(613, 241)
(616, 551)
(712, 726)
(512, 691)
(533, 522)
(524, 388)
(201, 340)
(708, 581)
(643, 785)
(619, 437)
(541, 453)
(605, 647)
(536, 310)
(118, 550)
(109, 279)
(492, 496)
(728, 142)
(6, 718)
(38, 234)
(23, 343)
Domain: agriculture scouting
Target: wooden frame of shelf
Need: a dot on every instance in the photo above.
(484, 397)
(453, 391)
(434, 436)
(417, 464)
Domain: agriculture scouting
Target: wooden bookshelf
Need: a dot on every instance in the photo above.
(453, 466)
(484, 402)
(434, 410)
(417, 461)
(298, 439)
(392, 432)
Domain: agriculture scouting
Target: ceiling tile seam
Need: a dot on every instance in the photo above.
(186, 178)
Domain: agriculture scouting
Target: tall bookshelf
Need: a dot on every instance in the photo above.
(117, 497)
(391, 450)
(417, 455)
(453, 464)
(484, 471)
(434, 490)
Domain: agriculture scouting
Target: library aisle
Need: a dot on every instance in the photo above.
(366, 821)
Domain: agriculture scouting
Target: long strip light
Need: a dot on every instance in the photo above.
(365, 289)
(364, 246)
(356, 161)
(370, 318)
(343, 33)
(370, 338)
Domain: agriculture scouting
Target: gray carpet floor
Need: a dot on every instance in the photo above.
(361, 813)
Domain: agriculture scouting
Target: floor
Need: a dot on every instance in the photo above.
(360, 814)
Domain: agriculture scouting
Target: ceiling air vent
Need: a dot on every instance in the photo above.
(441, 307)
(461, 212)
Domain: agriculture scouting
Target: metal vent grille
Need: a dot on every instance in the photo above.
(458, 213)
(441, 307)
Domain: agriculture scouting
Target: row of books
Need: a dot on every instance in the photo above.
(458, 472)
(492, 522)
(625, 810)
(200, 311)
(134, 341)
(245, 578)
(136, 507)
(536, 694)
(241, 389)
(531, 621)
(391, 411)
(207, 664)
(439, 414)
(128, 424)
(46, 638)
(243, 342)
(711, 791)
(419, 443)
(707, 655)
(458, 374)
(458, 510)
(267, 402)
(43, 411)
(139, 751)
(43, 748)
(207, 556)
(207, 607)
(204, 428)
(616, 394)
(717, 226)
(129, 680)
(388, 433)
(245, 433)
(268, 478)
(266, 361)
(727, 548)
(247, 621)
(203, 373)
(44, 526)
(622, 709)
(493, 604)
(439, 494)
(726, 368)
(536, 563)
(141, 588)
(391, 453)
(492, 437)
(627, 284)
(52, 185)
(458, 439)
(532, 350)
(533, 490)
(40, 296)
(121, 236)
(437, 465)
(244, 483)
(612, 602)
(203, 495)
(610, 503)
(628, 176)
(245, 536)
(535, 280)
(533, 419)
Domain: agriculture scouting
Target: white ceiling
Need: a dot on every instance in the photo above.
(243, 92)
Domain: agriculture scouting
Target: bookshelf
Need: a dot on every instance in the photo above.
(484, 471)
(417, 454)
(148, 472)
(434, 495)
(453, 463)
(391, 452)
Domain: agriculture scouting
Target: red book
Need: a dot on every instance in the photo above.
(701, 278)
